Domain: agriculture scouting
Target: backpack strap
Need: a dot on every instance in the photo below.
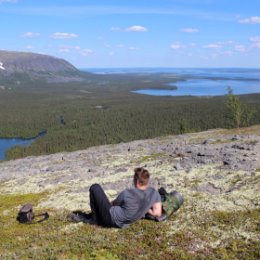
(157, 219)
(44, 215)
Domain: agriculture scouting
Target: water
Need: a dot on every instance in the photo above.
(7, 143)
(200, 81)
(205, 87)
(227, 73)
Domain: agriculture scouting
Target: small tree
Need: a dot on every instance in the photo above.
(248, 115)
(238, 113)
(234, 107)
(183, 126)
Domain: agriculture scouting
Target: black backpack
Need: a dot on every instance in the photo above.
(26, 215)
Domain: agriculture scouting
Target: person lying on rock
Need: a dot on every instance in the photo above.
(129, 206)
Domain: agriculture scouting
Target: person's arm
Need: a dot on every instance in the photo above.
(119, 200)
(156, 209)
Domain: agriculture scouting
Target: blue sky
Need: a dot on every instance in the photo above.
(135, 33)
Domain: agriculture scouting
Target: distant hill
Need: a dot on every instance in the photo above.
(37, 66)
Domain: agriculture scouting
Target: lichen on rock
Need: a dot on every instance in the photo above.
(218, 176)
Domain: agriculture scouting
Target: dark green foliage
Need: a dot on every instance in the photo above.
(238, 113)
(182, 126)
(102, 110)
(248, 114)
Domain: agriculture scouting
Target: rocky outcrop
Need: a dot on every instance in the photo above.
(192, 163)
(217, 173)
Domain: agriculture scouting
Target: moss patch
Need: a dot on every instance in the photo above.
(11, 201)
(149, 158)
(58, 238)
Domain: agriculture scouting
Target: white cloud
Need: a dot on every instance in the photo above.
(62, 36)
(228, 42)
(29, 47)
(190, 30)
(227, 53)
(136, 28)
(132, 48)
(240, 48)
(213, 46)
(64, 50)
(250, 20)
(177, 46)
(255, 41)
(86, 52)
(31, 35)
(120, 45)
(115, 29)
(77, 49)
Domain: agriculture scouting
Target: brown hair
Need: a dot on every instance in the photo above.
(142, 176)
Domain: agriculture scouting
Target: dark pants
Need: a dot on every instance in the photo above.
(100, 206)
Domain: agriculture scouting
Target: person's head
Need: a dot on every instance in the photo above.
(141, 177)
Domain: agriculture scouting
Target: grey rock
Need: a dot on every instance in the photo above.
(236, 146)
(218, 176)
(178, 167)
(208, 141)
(208, 188)
(121, 170)
(226, 162)
(235, 138)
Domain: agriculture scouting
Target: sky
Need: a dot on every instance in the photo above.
(135, 33)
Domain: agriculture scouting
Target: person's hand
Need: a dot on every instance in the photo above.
(156, 209)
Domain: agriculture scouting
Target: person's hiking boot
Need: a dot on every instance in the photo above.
(75, 217)
(79, 216)
(90, 221)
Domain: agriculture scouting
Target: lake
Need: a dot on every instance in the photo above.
(205, 87)
(200, 81)
(7, 143)
(230, 73)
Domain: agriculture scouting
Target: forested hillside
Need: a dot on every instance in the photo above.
(103, 110)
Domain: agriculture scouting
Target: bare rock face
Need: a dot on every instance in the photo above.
(37, 66)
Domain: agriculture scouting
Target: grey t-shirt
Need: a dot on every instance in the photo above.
(133, 204)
